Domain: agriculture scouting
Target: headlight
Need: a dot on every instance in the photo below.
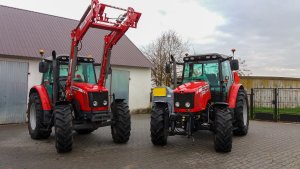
(95, 103)
(177, 104)
(104, 102)
(187, 104)
(160, 92)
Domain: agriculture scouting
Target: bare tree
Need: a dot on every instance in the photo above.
(159, 51)
(244, 70)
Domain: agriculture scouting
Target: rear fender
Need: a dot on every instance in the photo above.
(168, 100)
(233, 95)
(41, 90)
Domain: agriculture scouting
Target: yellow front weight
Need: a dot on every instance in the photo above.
(160, 92)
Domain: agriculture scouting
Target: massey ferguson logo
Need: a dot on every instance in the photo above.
(203, 89)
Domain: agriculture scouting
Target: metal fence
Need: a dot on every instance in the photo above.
(276, 104)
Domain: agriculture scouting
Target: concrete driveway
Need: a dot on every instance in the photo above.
(267, 145)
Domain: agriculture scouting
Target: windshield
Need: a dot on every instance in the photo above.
(207, 71)
(84, 72)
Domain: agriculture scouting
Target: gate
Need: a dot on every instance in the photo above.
(289, 104)
(263, 103)
(276, 104)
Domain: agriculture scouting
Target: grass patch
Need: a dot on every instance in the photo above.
(264, 110)
(292, 111)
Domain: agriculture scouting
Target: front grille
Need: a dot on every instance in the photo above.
(182, 98)
(99, 97)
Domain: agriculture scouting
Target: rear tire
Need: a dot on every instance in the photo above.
(121, 127)
(241, 114)
(63, 128)
(159, 125)
(84, 131)
(223, 130)
(35, 114)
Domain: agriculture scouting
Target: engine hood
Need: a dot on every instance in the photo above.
(191, 87)
(89, 87)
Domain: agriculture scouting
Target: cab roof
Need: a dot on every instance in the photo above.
(65, 58)
(208, 56)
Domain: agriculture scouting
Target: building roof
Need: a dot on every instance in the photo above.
(23, 33)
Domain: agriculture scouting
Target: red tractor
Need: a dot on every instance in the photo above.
(70, 98)
(209, 98)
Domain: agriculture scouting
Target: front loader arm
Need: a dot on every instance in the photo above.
(95, 17)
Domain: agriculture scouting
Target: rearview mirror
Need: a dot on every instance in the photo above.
(168, 68)
(234, 64)
(43, 67)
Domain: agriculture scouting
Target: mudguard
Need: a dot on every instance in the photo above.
(41, 90)
(221, 104)
(167, 99)
(233, 95)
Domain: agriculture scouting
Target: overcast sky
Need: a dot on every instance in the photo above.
(265, 33)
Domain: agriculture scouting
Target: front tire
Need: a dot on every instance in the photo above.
(223, 130)
(35, 113)
(241, 114)
(63, 128)
(159, 125)
(121, 127)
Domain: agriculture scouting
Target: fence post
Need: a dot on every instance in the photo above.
(275, 104)
(251, 104)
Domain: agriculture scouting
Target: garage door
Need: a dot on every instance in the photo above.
(120, 84)
(13, 91)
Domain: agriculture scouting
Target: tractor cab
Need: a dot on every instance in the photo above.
(84, 73)
(216, 69)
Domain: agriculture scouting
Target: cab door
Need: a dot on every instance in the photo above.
(227, 76)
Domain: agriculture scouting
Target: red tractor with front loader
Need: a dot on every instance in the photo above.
(70, 98)
(209, 98)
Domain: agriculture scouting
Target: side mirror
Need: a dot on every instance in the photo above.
(168, 68)
(43, 67)
(234, 64)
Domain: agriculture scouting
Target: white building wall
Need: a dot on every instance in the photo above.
(139, 87)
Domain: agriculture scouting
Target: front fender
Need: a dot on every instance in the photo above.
(41, 90)
(233, 95)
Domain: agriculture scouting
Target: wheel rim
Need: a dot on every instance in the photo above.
(245, 112)
(32, 116)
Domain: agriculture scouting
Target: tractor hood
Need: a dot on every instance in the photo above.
(191, 87)
(191, 97)
(89, 87)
